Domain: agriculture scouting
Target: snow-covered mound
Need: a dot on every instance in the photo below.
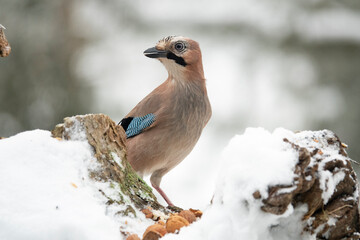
(253, 162)
(46, 191)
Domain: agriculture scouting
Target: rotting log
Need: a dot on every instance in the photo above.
(108, 142)
(337, 217)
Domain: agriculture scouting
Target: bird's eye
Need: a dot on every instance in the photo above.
(179, 46)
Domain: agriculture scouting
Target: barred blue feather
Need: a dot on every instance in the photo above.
(138, 124)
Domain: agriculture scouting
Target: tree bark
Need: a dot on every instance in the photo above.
(108, 142)
(338, 217)
(5, 48)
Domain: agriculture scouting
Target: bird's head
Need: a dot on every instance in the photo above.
(181, 56)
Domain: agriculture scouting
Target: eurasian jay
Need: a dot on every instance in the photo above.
(164, 127)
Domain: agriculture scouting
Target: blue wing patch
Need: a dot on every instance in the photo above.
(138, 124)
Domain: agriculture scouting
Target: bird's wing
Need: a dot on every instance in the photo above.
(135, 125)
(142, 117)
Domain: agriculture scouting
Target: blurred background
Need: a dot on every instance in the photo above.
(270, 63)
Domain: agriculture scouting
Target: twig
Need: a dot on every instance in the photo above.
(5, 48)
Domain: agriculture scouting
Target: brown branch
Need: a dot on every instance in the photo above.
(5, 48)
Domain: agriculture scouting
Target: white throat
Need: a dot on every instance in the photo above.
(174, 69)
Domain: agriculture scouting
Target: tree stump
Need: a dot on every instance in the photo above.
(333, 211)
(108, 142)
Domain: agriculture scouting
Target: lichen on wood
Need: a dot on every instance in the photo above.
(108, 142)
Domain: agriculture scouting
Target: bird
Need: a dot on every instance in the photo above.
(163, 128)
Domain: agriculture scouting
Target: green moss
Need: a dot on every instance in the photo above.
(129, 210)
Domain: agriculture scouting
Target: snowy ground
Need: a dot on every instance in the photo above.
(254, 161)
(45, 191)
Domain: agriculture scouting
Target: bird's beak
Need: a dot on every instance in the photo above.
(154, 53)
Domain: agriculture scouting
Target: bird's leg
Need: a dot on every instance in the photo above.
(155, 180)
(162, 193)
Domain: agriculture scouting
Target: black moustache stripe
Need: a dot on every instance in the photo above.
(178, 60)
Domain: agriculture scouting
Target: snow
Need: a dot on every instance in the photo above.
(38, 197)
(249, 158)
(117, 160)
(313, 140)
(251, 162)
(46, 192)
(328, 184)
